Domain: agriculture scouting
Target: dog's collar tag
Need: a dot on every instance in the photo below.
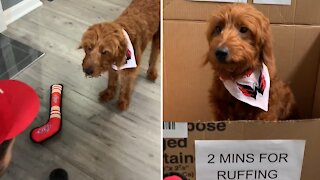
(130, 59)
(252, 89)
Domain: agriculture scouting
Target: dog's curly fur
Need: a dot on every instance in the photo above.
(246, 33)
(105, 44)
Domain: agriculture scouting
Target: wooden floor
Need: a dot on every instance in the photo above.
(96, 142)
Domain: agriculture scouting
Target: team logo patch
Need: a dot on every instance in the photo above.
(128, 55)
(44, 129)
(257, 87)
(253, 88)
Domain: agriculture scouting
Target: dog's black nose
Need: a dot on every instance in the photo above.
(88, 71)
(222, 53)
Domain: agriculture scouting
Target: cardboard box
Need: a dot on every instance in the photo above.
(179, 154)
(316, 106)
(303, 12)
(186, 81)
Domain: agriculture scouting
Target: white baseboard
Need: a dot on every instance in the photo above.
(20, 9)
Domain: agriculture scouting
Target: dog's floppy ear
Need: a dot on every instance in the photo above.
(120, 51)
(265, 45)
(119, 45)
(212, 21)
(88, 36)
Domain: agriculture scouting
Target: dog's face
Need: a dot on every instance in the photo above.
(238, 35)
(104, 45)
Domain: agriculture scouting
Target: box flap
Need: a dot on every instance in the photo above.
(307, 12)
(166, 2)
(185, 79)
(188, 10)
(316, 107)
(300, 70)
(278, 14)
(201, 11)
(299, 12)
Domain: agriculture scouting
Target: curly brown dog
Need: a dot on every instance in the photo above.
(240, 42)
(105, 44)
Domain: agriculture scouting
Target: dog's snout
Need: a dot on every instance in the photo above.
(222, 53)
(88, 71)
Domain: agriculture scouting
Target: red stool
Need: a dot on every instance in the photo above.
(19, 105)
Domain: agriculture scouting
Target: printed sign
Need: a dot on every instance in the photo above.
(249, 159)
(175, 130)
(279, 2)
(235, 1)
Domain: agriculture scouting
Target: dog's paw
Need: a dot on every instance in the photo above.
(123, 105)
(106, 95)
(152, 75)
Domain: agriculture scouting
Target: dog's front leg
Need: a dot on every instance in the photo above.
(127, 78)
(268, 116)
(110, 91)
(219, 114)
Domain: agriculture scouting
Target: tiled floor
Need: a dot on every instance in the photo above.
(15, 56)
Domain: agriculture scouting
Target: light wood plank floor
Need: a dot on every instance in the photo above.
(96, 142)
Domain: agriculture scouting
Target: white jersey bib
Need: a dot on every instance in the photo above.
(130, 58)
(252, 89)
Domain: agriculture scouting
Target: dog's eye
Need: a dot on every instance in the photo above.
(244, 30)
(89, 48)
(217, 29)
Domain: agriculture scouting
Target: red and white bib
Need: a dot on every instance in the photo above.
(130, 59)
(252, 89)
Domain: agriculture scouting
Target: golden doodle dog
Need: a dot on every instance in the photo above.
(245, 83)
(117, 48)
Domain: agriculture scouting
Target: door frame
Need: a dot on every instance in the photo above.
(22, 8)
(17, 11)
(3, 24)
